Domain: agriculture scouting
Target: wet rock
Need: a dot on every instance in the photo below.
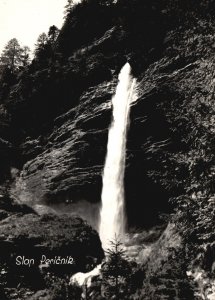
(32, 236)
(27, 240)
(71, 163)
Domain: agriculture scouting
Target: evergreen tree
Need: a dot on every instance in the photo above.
(12, 59)
(68, 7)
(11, 55)
(25, 56)
(116, 273)
(53, 34)
(41, 43)
(43, 50)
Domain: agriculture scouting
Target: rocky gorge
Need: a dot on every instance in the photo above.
(54, 127)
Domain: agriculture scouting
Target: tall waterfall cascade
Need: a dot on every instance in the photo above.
(112, 213)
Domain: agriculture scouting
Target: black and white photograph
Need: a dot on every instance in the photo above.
(107, 150)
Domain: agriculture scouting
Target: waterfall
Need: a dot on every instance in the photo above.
(112, 213)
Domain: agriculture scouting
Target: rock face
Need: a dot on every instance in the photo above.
(57, 116)
(26, 238)
(172, 282)
(36, 236)
(168, 120)
(70, 165)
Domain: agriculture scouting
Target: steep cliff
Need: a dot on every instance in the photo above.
(55, 123)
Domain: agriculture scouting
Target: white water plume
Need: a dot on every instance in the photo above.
(112, 214)
(85, 278)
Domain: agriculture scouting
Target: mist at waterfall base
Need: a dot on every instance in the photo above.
(86, 210)
(112, 213)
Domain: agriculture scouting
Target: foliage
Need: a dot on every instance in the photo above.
(13, 60)
(42, 50)
(174, 38)
(117, 273)
(11, 55)
(68, 7)
(53, 34)
(25, 56)
(59, 288)
(14, 56)
(45, 47)
(166, 279)
(72, 3)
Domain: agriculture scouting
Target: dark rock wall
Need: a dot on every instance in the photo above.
(169, 119)
(70, 164)
(54, 123)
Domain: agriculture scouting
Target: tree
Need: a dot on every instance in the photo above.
(45, 47)
(25, 56)
(68, 7)
(116, 272)
(12, 58)
(11, 55)
(41, 43)
(53, 34)
(43, 50)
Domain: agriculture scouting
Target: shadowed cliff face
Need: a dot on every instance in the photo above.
(58, 127)
(27, 238)
(69, 167)
(163, 149)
